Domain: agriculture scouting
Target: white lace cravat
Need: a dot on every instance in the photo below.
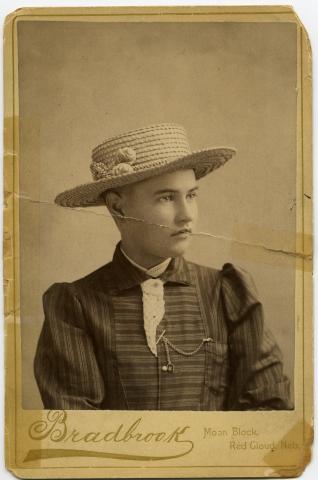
(152, 299)
(154, 309)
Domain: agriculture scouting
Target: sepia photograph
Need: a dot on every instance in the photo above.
(160, 235)
(129, 321)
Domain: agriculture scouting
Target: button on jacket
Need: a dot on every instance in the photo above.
(92, 352)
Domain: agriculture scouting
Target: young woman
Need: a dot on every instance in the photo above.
(150, 330)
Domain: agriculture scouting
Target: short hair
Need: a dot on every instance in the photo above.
(105, 196)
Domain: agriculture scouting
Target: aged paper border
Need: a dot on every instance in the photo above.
(17, 446)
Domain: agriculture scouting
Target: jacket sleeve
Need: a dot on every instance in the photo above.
(65, 365)
(257, 381)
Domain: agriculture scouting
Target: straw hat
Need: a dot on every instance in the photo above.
(140, 154)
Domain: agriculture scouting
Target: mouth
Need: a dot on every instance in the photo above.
(183, 232)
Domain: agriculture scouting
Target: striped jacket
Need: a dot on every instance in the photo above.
(92, 352)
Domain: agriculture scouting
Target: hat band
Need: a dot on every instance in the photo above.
(101, 171)
(126, 161)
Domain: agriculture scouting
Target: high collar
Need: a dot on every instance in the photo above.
(155, 271)
(126, 275)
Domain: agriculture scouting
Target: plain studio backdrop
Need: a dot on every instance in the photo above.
(229, 84)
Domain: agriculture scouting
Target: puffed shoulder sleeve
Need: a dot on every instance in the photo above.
(65, 365)
(257, 381)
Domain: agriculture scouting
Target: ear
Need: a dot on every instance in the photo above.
(114, 202)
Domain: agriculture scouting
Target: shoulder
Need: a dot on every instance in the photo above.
(203, 271)
(99, 279)
(237, 288)
(227, 271)
(237, 280)
(208, 279)
(229, 275)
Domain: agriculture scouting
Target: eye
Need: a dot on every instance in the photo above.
(166, 198)
(192, 195)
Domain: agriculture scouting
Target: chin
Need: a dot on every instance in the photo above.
(166, 248)
(178, 250)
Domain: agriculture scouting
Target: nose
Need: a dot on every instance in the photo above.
(186, 212)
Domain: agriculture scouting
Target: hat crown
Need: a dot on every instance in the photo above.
(161, 143)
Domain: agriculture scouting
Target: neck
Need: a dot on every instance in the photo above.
(143, 259)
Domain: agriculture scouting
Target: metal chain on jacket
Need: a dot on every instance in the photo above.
(167, 343)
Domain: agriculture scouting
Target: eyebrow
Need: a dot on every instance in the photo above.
(171, 190)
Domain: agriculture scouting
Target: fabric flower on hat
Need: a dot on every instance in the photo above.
(126, 155)
(118, 165)
(99, 170)
(121, 169)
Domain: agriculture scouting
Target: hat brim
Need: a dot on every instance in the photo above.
(89, 194)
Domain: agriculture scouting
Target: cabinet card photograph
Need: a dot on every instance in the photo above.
(157, 242)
